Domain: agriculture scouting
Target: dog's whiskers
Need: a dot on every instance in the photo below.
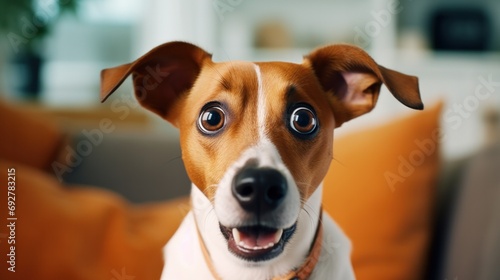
(179, 157)
(208, 215)
(338, 161)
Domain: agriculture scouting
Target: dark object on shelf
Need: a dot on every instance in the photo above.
(460, 29)
(28, 67)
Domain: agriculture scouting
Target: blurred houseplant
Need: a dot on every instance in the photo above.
(23, 26)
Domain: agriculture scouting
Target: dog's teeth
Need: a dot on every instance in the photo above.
(277, 236)
(236, 236)
(244, 245)
(240, 243)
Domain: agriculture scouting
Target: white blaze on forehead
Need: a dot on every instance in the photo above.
(261, 103)
(267, 153)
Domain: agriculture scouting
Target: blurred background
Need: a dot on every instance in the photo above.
(52, 51)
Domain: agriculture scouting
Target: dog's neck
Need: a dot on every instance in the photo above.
(228, 266)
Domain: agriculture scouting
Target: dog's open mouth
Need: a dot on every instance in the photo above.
(256, 243)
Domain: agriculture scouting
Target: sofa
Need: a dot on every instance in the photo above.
(98, 204)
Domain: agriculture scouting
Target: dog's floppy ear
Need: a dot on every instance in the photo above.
(160, 76)
(354, 79)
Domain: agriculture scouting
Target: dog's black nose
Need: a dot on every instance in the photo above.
(259, 190)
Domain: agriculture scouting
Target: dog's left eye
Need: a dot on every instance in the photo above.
(303, 121)
(212, 119)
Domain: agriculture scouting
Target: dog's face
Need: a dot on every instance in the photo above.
(257, 138)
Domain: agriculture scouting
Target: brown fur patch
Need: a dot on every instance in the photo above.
(234, 85)
(307, 160)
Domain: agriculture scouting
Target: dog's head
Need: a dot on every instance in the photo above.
(256, 138)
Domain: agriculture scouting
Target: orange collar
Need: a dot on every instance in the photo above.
(300, 273)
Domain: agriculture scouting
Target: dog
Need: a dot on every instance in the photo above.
(257, 141)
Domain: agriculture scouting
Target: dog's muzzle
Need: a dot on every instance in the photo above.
(259, 191)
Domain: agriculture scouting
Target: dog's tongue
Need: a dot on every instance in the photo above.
(257, 237)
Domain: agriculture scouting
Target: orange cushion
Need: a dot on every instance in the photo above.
(85, 233)
(81, 233)
(28, 138)
(381, 189)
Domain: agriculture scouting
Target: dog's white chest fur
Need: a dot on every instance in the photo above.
(183, 255)
(184, 258)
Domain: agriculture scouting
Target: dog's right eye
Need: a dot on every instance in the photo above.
(302, 121)
(212, 119)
